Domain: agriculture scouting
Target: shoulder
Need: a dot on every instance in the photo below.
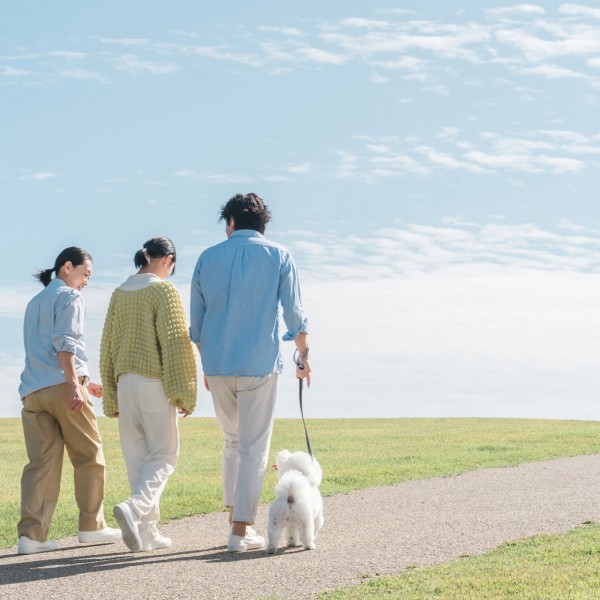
(165, 291)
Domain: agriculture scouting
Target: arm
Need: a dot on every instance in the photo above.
(67, 362)
(302, 347)
(293, 314)
(110, 404)
(178, 359)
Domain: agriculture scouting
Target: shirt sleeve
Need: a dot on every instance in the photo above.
(110, 403)
(69, 324)
(291, 300)
(178, 358)
(197, 305)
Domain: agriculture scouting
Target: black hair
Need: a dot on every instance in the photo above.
(155, 247)
(77, 256)
(248, 211)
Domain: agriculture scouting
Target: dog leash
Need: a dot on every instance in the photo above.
(300, 364)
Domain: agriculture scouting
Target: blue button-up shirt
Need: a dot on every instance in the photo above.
(237, 288)
(54, 322)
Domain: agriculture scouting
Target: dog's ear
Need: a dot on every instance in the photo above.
(281, 460)
(315, 474)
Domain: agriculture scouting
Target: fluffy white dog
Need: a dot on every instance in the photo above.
(298, 506)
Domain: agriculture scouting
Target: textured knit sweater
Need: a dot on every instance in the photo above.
(146, 333)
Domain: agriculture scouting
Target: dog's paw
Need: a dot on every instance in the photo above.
(312, 546)
(293, 543)
(271, 549)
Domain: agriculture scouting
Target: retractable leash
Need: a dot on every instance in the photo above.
(300, 364)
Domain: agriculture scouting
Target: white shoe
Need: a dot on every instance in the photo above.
(153, 540)
(251, 541)
(128, 523)
(108, 535)
(29, 546)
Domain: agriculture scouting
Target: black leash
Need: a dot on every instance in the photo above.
(300, 364)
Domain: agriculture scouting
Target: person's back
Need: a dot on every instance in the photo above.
(241, 281)
(237, 289)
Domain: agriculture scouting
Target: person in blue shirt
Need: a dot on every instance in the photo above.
(238, 287)
(57, 409)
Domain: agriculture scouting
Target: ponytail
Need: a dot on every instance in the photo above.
(45, 276)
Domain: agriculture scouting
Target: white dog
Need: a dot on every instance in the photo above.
(298, 506)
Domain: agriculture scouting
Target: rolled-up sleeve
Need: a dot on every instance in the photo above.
(69, 325)
(291, 301)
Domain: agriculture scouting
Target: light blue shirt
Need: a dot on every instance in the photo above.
(237, 288)
(54, 322)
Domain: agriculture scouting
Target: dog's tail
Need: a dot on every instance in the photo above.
(295, 485)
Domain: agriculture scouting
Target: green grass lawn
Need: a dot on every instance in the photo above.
(361, 452)
(539, 568)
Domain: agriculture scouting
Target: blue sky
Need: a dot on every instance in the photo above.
(433, 168)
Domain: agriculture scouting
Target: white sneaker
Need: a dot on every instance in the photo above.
(29, 546)
(108, 535)
(251, 541)
(153, 540)
(128, 523)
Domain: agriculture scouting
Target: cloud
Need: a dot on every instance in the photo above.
(134, 64)
(39, 176)
(125, 41)
(285, 31)
(579, 10)
(490, 319)
(517, 9)
(83, 75)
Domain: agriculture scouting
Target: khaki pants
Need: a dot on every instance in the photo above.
(49, 426)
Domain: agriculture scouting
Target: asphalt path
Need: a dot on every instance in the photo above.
(377, 531)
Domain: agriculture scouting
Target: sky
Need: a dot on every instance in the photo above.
(432, 168)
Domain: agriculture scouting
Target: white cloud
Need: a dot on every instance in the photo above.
(83, 74)
(12, 72)
(301, 169)
(39, 176)
(286, 31)
(379, 79)
(125, 41)
(579, 10)
(134, 64)
(321, 56)
(516, 9)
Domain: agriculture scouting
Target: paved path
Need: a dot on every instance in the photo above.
(376, 531)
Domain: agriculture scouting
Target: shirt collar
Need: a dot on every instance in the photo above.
(246, 233)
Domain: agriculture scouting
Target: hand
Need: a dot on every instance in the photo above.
(304, 373)
(184, 413)
(206, 383)
(76, 401)
(95, 389)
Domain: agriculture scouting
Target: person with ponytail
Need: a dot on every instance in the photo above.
(148, 371)
(58, 410)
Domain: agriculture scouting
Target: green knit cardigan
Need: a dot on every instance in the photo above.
(146, 332)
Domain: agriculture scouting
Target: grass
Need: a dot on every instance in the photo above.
(361, 452)
(539, 568)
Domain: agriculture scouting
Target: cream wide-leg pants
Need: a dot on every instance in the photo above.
(244, 407)
(150, 442)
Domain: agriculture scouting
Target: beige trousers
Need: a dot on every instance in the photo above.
(49, 426)
(245, 408)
